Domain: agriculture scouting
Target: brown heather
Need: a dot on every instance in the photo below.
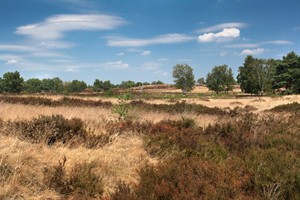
(191, 149)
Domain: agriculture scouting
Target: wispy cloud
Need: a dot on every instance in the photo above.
(145, 53)
(155, 67)
(120, 54)
(55, 27)
(256, 45)
(115, 65)
(18, 48)
(116, 41)
(220, 27)
(11, 62)
(226, 35)
(253, 51)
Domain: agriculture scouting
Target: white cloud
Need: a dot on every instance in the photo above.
(225, 35)
(120, 54)
(256, 45)
(223, 53)
(21, 48)
(145, 53)
(61, 61)
(116, 41)
(72, 69)
(162, 59)
(277, 42)
(116, 65)
(11, 62)
(56, 44)
(253, 51)
(220, 27)
(54, 27)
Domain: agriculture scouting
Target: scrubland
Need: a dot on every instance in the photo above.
(206, 147)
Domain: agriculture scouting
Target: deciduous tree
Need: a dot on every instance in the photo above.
(184, 77)
(220, 79)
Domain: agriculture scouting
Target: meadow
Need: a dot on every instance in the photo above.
(157, 144)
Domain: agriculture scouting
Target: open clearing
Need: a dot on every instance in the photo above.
(28, 164)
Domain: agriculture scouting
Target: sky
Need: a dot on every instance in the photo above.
(141, 40)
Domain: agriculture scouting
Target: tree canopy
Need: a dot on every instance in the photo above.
(183, 77)
(220, 79)
(12, 82)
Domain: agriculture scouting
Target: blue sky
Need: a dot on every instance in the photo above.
(141, 40)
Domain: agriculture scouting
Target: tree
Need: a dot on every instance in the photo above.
(247, 76)
(183, 77)
(201, 81)
(12, 82)
(256, 76)
(288, 73)
(107, 85)
(220, 79)
(1, 85)
(98, 85)
(75, 86)
(33, 85)
(53, 85)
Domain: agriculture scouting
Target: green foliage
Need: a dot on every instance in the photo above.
(102, 86)
(256, 76)
(1, 85)
(157, 83)
(287, 74)
(33, 85)
(52, 85)
(12, 82)
(98, 85)
(122, 108)
(220, 79)
(183, 77)
(201, 81)
(75, 86)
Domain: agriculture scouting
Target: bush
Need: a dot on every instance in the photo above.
(81, 183)
(291, 107)
(57, 129)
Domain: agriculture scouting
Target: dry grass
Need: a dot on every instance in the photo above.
(117, 161)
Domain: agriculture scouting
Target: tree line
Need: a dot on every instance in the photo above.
(255, 76)
(13, 82)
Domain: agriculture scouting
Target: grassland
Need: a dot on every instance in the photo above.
(195, 147)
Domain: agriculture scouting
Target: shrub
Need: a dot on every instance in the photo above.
(81, 182)
(291, 107)
(6, 170)
(57, 129)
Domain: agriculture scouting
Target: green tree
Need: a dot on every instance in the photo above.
(75, 86)
(12, 82)
(288, 73)
(33, 85)
(184, 77)
(1, 85)
(201, 81)
(98, 85)
(256, 76)
(107, 85)
(53, 85)
(247, 76)
(220, 79)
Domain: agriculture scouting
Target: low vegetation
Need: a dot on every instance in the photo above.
(245, 155)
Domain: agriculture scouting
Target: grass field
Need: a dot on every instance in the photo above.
(205, 147)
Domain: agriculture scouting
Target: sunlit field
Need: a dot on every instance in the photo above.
(233, 146)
